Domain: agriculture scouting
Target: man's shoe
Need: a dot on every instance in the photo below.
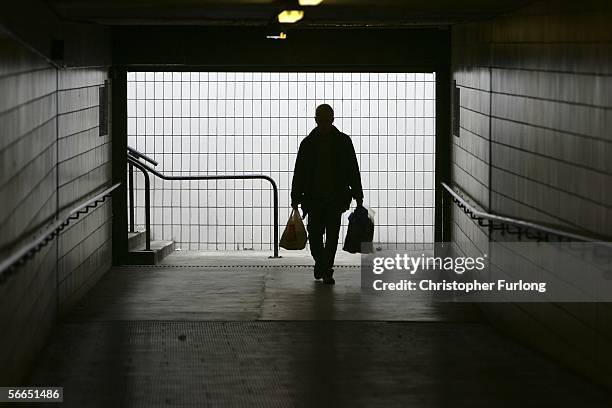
(329, 280)
(328, 277)
(318, 273)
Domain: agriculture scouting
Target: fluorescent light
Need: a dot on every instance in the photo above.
(290, 16)
(310, 2)
(279, 36)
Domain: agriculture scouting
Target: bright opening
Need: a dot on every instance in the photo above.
(253, 122)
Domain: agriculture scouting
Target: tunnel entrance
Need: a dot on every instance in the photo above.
(253, 122)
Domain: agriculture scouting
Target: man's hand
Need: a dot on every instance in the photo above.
(296, 208)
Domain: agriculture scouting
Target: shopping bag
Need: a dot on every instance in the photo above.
(294, 235)
(360, 232)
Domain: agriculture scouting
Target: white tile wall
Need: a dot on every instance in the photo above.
(253, 122)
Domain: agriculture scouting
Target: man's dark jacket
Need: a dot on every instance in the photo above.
(345, 177)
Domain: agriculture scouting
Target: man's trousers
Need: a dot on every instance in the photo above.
(324, 221)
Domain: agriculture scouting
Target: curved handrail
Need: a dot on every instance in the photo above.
(224, 177)
(140, 155)
(523, 224)
(141, 166)
(26, 252)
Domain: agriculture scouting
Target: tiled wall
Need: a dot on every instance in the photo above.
(51, 159)
(253, 122)
(84, 167)
(535, 143)
(470, 147)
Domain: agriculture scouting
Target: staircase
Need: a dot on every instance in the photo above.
(137, 255)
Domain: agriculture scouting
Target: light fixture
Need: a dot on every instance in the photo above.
(310, 2)
(290, 16)
(278, 36)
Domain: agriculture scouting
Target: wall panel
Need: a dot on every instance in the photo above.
(51, 160)
(253, 122)
(546, 146)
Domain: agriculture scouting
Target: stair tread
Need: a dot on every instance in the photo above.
(156, 245)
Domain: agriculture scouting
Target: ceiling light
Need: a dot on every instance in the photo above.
(290, 16)
(279, 36)
(310, 2)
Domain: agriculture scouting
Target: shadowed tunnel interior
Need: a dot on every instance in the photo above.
(481, 130)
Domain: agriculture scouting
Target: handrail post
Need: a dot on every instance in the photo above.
(147, 182)
(131, 182)
(147, 211)
(275, 191)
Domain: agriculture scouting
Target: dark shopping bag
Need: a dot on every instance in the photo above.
(294, 235)
(360, 233)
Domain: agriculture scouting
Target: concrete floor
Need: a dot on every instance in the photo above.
(233, 330)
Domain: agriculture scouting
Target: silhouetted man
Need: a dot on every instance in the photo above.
(325, 180)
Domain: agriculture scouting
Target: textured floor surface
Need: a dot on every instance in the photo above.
(250, 293)
(285, 364)
(243, 336)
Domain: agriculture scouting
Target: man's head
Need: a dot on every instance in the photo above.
(324, 117)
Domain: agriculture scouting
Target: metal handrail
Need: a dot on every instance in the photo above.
(25, 253)
(141, 165)
(140, 155)
(521, 225)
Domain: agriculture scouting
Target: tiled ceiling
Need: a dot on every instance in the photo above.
(259, 12)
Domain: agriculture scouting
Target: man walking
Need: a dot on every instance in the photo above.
(325, 180)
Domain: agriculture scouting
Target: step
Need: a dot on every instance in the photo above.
(159, 250)
(136, 239)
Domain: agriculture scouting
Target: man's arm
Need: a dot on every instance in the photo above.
(355, 175)
(297, 184)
